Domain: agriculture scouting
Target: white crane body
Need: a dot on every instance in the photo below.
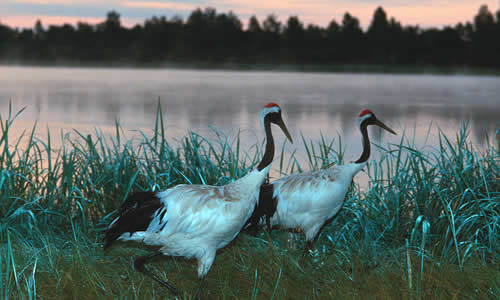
(194, 221)
(308, 200)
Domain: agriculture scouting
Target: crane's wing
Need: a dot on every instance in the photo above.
(309, 193)
(199, 210)
(135, 214)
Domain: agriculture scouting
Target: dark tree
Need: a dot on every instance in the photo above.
(253, 25)
(7, 40)
(293, 35)
(482, 40)
(351, 39)
(379, 25)
(333, 38)
(111, 37)
(39, 30)
(254, 37)
(315, 42)
(86, 43)
(272, 36)
(229, 36)
(443, 47)
(379, 36)
(209, 36)
(272, 25)
(60, 39)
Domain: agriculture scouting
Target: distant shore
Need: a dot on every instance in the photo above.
(231, 66)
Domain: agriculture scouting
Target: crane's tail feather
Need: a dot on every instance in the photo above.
(134, 215)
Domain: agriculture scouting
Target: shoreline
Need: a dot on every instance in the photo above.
(298, 68)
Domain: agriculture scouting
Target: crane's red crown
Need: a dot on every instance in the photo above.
(365, 112)
(271, 104)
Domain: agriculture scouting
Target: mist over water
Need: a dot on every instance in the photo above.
(312, 103)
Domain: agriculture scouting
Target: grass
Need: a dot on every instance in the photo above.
(427, 226)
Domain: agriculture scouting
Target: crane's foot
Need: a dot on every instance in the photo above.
(309, 249)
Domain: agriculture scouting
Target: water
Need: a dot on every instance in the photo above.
(312, 103)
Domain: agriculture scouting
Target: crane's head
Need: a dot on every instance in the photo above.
(272, 113)
(367, 117)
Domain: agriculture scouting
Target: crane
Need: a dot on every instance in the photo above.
(194, 221)
(306, 201)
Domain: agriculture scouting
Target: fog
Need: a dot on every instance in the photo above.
(312, 103)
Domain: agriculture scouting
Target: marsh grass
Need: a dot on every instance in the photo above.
(426, 226)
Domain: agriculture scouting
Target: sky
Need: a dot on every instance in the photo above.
(425, 13)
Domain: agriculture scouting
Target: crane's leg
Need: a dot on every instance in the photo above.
(200, 288)
(268, 223)
(139, 264)
(312, 235)
(204, 264)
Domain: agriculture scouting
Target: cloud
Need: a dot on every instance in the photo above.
(160, 5)
(71, 2)
(64, 2)
(27, 21)
(43, 2)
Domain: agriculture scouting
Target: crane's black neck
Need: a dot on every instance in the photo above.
(366, 143)
(269, 150)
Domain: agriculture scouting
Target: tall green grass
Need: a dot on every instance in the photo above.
(426, 226)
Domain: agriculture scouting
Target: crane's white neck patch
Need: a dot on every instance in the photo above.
(267, 110)
(362, 119)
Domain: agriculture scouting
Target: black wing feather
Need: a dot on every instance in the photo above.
(135, 214)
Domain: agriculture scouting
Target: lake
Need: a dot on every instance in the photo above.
(312, 103)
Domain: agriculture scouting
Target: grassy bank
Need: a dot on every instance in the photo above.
(426, 227)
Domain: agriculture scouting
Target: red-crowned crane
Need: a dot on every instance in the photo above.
(306, 201)
(194, 221)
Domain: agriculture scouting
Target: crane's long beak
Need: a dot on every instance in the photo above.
(382, 125)
(282, 125)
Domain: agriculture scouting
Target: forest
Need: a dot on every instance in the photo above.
(208, 36)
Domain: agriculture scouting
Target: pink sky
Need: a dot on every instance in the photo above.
(426, 13)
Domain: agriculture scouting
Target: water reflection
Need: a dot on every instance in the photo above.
(312, 103)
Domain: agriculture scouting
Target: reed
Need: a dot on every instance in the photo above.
(426, 226)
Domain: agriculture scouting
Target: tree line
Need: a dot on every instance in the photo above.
(209, 36)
